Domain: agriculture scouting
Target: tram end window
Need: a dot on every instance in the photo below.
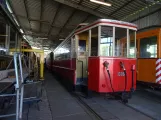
(120, 42)
(124, 36)
(82, 47)
(94, 41)
(148, 47)
(83, 40)
(106, 41)
(133, 44)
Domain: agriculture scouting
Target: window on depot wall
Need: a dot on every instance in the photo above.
(148, 47)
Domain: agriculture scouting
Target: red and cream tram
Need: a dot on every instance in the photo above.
(94, 57)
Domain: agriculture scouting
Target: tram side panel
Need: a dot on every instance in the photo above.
(116, 80)
(65, 69)
(148, 70)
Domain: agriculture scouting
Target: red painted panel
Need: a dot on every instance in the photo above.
(63, 63)
(98, 78)
(93, 73)
(66, 69)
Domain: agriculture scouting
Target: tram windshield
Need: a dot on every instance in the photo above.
(117, 42)
(106, 42)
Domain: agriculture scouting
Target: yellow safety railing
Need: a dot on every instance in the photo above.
(41, 52)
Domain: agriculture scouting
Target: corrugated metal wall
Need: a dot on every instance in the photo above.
(150, 20)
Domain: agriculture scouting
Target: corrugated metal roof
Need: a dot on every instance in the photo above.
(49, 10)
(33, 8)
(56, 18)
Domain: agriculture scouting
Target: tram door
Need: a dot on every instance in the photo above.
(82, 58)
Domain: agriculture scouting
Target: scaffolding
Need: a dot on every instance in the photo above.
(21, 74)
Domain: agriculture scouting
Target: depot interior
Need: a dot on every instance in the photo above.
(32, 29)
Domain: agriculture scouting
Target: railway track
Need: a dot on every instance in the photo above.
(94, 115)
(99, 117)
(127, 105)
(152, 103)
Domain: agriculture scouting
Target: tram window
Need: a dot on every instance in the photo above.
(132, 51)
(82, 47)
(94, 41)
(120, 50)
(63, 52)
(106, 41)
(83, 43)
(73, 50)
(148, 47)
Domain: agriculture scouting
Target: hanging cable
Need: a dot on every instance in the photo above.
(123, 67)
(106, 64)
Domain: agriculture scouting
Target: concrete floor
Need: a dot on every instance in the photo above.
(58, 104)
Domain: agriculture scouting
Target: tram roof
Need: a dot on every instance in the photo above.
(108, 22)
(102, 22)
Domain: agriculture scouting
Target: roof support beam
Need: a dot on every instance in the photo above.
(90, 14)
(41, 10)
(25, 3)
(120, 8)
(80, 2)
(74, 11)
(67, 21)
(82, 8)
(150, 13)
(57, 11)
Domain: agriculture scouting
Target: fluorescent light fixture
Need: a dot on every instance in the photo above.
(3, 49)
(33, 47)
(46, 50)
(21, 31)
(101, 2)
(24, 37)
(15, 20)
(9, 8)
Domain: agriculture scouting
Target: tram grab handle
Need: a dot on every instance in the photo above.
(132, 70)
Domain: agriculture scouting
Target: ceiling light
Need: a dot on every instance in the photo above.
(21, 31)
(101, 2)
(15, 19)
(24, 37)
(46, 50)
(8, 7)
(34, 47)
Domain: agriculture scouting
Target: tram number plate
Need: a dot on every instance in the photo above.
(121, 74)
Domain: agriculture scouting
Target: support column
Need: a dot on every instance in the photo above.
(7, 42)
(113, 45)
(128, 43)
